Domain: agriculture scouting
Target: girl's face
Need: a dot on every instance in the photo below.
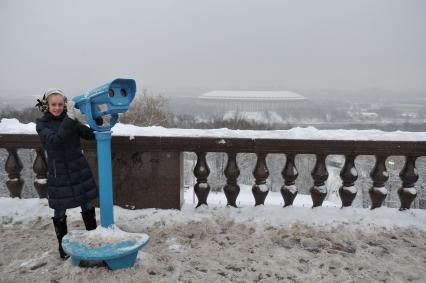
(56, 104)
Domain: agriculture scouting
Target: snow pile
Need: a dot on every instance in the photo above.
(13, 126)
(102, 236)
(26, 211)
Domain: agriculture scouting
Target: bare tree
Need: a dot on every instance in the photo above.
(147, 110)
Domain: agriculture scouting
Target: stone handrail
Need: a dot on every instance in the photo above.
(261, 147)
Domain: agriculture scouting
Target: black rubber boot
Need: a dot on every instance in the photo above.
(89, 219)
(61, 230)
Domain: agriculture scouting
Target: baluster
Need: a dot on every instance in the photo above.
(232, 172)
(320, 175)
(201, 171)
(40, 168)
(379, 175)
(260, 188)
(407, 193)
(349, 175)
(289, 173)
(13, 168)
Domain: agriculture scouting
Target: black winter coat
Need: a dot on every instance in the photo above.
(70, 181)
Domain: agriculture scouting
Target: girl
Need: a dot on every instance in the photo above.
(70, 181)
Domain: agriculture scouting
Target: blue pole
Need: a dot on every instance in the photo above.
(103, 140)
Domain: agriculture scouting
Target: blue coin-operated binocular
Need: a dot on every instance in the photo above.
(107, 100)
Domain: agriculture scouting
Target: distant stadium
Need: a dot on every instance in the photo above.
(250, 101)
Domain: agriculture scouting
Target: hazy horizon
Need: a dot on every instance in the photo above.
(241, 44)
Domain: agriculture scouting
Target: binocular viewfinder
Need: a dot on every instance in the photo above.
(107, 100)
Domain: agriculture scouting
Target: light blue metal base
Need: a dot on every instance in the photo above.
(116, 255)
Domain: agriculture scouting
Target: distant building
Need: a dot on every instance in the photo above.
(250, 101)
(370, 115)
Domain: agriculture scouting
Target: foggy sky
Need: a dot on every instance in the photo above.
(318, 44)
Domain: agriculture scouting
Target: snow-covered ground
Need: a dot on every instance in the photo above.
(222, 244)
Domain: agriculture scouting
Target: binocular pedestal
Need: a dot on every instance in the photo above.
(103, 142)
(107, 243)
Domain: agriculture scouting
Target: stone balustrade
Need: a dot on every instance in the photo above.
(148, 170)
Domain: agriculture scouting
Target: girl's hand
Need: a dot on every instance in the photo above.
(71, 111)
